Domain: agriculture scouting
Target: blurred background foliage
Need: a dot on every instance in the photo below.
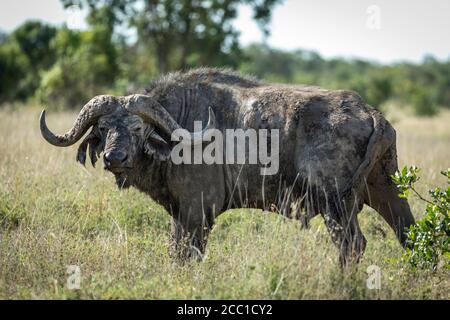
(130, 42)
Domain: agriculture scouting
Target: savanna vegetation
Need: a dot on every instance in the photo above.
(55, 213)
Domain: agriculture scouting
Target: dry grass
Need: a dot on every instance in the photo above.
(55, 213)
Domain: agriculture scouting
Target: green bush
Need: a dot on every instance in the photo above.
(24, 54)
(60, 87)
(379, 89)
(13, 65)
(428, 245)
(423, 103)
(86, 66)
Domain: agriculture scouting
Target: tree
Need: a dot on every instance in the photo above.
(272, 64)
(3, 37)
(24, 54)
(34, 39)
(12, 71)
(86, 66)
(181, 33)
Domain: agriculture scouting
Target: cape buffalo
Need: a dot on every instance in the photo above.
(336, 153)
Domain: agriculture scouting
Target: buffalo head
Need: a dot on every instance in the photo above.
(125, 129)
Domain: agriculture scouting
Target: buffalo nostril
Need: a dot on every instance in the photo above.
(115, 158)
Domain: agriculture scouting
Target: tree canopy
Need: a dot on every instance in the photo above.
(129, 42)
(180, 33)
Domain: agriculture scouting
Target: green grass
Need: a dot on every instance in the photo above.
(55, 213)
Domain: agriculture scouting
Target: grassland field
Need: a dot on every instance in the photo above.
(55, 213)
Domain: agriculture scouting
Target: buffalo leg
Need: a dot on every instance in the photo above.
(382, 195)
(342, 224)
(189, 239)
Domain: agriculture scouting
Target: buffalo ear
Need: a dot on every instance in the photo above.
(156, 147)
(94, 143)
(95, 148)
(160, 153)
(81, 153)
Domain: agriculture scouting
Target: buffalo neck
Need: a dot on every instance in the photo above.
(149, 177)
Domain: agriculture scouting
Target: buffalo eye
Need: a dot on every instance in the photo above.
(103, 130)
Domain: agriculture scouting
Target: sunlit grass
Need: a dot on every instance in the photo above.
(55, 213)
